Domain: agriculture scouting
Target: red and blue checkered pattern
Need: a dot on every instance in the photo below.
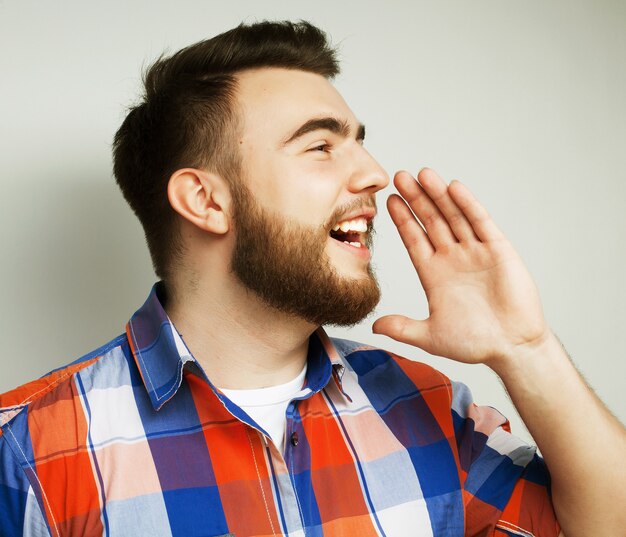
(133, 439)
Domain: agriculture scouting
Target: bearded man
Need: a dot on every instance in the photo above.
(225, 409)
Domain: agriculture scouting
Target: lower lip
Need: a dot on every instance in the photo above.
(363, 252)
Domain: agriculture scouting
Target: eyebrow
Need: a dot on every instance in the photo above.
(337, 126)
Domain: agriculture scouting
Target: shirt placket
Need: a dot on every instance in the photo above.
(283, 467)
(285, 499)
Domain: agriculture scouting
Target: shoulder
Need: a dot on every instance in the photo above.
(373, 364)
(367, 359)
(60, 385)
(44, 436)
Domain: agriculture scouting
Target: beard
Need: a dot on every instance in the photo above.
(286, 265)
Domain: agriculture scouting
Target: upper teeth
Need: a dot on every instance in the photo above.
(358, 224)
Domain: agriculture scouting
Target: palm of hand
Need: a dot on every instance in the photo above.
(482, 300)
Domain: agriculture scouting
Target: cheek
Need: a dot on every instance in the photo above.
(306, 194)
(309, 199)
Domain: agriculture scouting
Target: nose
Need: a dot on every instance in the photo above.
(367, 175)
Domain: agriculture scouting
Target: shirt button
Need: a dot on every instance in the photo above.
(294, 439)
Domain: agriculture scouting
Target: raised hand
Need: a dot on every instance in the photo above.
(483, 304)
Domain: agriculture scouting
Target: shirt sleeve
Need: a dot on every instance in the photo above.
(506, 485)
(20, 514)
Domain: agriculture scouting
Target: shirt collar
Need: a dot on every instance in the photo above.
(161, 354)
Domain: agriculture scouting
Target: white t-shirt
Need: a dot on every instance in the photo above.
(267, 406)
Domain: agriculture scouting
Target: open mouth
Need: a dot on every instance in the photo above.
(351, 232)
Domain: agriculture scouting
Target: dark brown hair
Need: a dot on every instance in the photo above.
(187, 118)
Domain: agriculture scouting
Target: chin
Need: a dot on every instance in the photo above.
(360, 274)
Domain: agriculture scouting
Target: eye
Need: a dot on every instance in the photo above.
(324, 148)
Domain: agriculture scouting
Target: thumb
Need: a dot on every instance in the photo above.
(403, 329)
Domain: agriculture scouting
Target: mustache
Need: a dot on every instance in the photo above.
(354, 206)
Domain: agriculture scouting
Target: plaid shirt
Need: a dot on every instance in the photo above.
(134, 439)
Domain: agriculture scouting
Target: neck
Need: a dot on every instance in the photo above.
(240, 342)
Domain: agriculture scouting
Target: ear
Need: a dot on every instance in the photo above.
(202, 198)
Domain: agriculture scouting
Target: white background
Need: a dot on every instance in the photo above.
(523, 101)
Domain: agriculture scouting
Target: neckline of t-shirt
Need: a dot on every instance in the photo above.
(270, 395)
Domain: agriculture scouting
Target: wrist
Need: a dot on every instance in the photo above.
(530, 358)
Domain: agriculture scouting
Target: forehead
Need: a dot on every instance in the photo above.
(275, 100)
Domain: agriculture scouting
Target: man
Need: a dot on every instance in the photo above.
(225, 409)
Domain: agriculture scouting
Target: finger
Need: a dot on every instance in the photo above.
(413, 236)
(437, 190)
(403, 329)
(478, 217)
(425, 210)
